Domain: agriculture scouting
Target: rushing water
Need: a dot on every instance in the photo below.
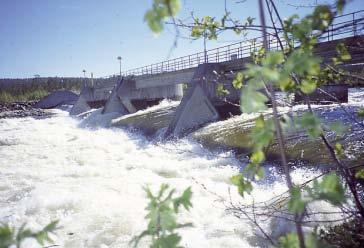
(91, 180)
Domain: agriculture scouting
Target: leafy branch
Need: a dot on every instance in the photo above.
(162, 215)
(10, 237)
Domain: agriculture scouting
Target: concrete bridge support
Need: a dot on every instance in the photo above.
(80, 106)
(197, 107)
(92, 97)
(114, 103)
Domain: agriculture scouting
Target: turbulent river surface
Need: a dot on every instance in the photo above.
(91, 179)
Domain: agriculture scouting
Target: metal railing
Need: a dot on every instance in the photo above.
(343, 26)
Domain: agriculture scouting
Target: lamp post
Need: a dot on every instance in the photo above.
(119, 58)
(204, 46)
(84, 78)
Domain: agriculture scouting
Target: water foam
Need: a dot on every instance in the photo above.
(92, 179)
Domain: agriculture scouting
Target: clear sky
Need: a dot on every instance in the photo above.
(63, 37)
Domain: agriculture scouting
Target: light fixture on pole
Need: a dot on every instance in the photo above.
(84, 78)
(119, 58)
(204, 46)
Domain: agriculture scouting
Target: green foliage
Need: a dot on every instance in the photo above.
(10, 237)
(296, 203)
(360, 174)
(244, 186)
(206, 26)
(340, 5)
(342, 54)
(338, 128)
(253, 169)
(161, 9)
(252, 100)
(21, 90)
(328, 189)
(345, 235)
(209, 26)
(295, 69)
(162, 215)
(311, 241)
(258, 55)
(38, 94)
(238, 81)
(311, 123)
(339, 150)
(361, 113)
(262, 133)
(221, 90)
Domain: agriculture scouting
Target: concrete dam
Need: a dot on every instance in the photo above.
(194, 79)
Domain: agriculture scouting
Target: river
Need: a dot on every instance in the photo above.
(91, 179)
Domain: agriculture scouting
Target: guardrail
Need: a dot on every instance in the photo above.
(348, 25)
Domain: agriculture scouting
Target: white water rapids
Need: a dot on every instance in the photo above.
(91, 180)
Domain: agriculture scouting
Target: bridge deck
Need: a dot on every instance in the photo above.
(344, 26)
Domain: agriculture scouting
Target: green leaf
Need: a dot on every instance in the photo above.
(361, 113)
(342, 51)
(161, 9)
(290, 240)
(340, 4)
(330, 189)
(6, 236)
(221, 91)
(339, 149)
(238, 81)
(9, 237)
(296, 204)
(338, 127)
(311, 123)
(255, 171)
(244, 186)
(286, 83)
(252, 100)
(184, 200)
(262, 133)
(167, 241)
(321, 17)
(257, 157)
(302, 64)
(308, 86)
(273, 59)
(162, 215)
(360, 174)
(167, 220)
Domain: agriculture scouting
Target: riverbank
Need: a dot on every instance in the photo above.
(22, 109)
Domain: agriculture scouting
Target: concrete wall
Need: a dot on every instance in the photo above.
(163, 79)
(128, 90)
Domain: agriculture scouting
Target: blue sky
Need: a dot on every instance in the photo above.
(63, 37)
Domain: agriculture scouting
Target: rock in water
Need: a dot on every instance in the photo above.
(148, 121)
(57, 98)
(235, 134)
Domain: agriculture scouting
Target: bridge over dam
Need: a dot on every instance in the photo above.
(194, 79)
